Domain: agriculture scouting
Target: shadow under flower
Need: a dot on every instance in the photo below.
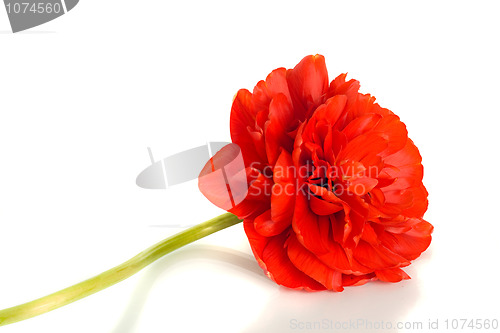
(374, 307)
(240, 260)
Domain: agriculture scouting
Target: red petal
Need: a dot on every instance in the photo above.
(397, 199)
(420, 202)
(312, 266)
(282, 202)
(369, 235)
(394, 131)
(279, 124)
(363, 146)
(405, 177)
(338, 259)
(306, 225)
(339, 142)
(242, 118)
(409, 155)
(271, 255)
(355, 219)
(283, 191)
(357, 280)
(265, 91)
(377, 257)
(308, 83)
(339, 86)
(361, 185)
(392, 275)
(276, 83)
(409, 244)
(267, 227)
(256, 201)
(361, 125)
(330, 111)
(323, 207)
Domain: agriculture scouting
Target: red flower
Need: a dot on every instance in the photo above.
(333, 192)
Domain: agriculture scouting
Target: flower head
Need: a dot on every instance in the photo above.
(331, 189)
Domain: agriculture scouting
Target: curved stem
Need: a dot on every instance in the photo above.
(116, 274)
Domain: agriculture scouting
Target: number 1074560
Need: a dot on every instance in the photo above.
(33, 8)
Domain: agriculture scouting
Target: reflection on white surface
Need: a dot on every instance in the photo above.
(367, 308)
(240, 260)
(360, 309)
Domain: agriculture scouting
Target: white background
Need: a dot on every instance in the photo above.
(82, 97)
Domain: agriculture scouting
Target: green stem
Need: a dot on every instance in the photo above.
(116, 274)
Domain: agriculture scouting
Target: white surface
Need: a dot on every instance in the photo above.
(83, 96)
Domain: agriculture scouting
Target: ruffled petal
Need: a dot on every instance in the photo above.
(271, 255)
(339, 259)
(306, 225)
(408, 155)
(308, 84)
(420, 202)
(323, 207)
(339, 86)
(357, 280)
(274, 85)
(368, 145)
(361, 185)
(267, 227)
(394, 132)
(280, 123)
(330, 111)
(378, 257)
(312, 266)
(392, 275)
(361, 125)
(284, 190)
(242, 124)
(409, 244)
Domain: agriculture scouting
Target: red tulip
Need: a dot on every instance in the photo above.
(331, 190)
